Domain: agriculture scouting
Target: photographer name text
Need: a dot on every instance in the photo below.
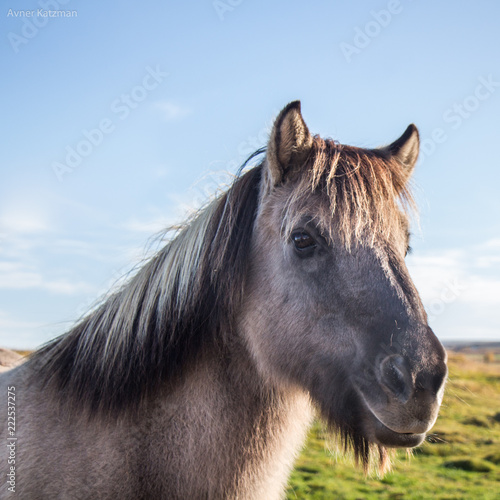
(42, 13)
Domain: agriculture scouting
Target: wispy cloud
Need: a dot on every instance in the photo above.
(432, 271)
(460, 289)
(18, 276)
(170, 110)
(21, 334)
(477, 267)
(9, 323)
(161, 171)
(148, 227)
(15, 220)
(484, 291)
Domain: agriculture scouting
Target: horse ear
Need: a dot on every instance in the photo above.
(289, 144)
(405, 149)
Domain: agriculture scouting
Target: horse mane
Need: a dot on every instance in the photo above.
(146, 332)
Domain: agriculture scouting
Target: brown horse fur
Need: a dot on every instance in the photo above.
(287, 295)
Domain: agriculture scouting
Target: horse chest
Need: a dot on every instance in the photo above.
(221, 447)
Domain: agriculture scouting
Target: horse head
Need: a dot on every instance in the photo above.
(329, 303)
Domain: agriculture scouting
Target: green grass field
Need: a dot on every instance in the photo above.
(459, 460)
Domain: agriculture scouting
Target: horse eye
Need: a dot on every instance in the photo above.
(303, 241)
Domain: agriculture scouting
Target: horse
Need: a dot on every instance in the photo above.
(284, 298)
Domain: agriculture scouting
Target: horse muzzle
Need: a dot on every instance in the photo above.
(402, 404)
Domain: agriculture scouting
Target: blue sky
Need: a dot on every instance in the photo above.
(174, 95)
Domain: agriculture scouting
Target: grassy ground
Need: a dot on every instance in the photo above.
(459, 460)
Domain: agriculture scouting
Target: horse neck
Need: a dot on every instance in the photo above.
(239, 435)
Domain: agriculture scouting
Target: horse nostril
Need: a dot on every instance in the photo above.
(434, 381)
(395, 376)
(437, 382)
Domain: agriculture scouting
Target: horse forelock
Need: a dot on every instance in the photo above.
(147, 332)
(366, 192)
